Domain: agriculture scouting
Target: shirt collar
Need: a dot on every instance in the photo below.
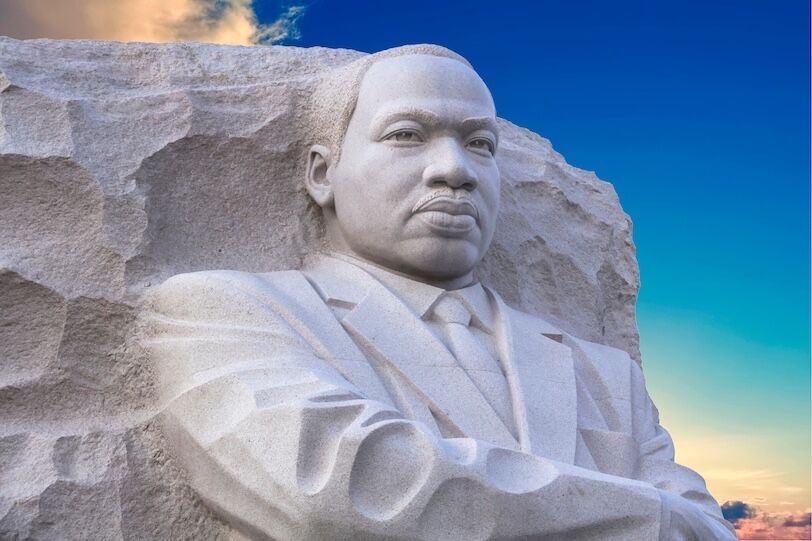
(421, 297)
(476, 300)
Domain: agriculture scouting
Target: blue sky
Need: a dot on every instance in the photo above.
(698, 113)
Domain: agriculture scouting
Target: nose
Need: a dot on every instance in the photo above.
(450, 166)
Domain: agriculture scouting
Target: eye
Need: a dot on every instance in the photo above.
(405, 136)
(481, 145)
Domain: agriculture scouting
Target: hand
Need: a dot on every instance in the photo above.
(686, 522)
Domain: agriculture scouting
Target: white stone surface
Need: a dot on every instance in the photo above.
(319, 405)
(121, 165)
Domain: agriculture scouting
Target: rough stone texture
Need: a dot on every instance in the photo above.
(123, 164)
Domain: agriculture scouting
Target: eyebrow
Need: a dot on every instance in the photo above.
(480, 123)
(429, 118)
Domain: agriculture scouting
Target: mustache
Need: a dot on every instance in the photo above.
(459, 197)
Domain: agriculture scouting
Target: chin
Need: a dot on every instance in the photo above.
(447, 261)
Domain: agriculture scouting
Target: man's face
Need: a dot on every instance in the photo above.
(416, 188)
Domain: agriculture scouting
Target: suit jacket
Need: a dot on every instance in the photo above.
(316, 405)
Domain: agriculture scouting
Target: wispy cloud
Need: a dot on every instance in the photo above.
(215, 21)
(742, 466)
(284, 28)
(742, 474)
(791, 490)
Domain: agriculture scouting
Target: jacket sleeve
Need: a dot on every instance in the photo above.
(281, 446)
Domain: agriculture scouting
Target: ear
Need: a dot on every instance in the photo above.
(317, 176)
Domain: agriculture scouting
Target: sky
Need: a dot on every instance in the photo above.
(698, 113)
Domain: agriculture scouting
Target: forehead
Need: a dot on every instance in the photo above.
(437, 83)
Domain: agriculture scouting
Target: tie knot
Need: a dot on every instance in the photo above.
(449, 309)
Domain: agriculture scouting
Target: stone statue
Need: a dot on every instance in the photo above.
(382, 392)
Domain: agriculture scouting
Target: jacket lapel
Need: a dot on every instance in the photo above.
(541, 376)
(306, 313)
(383, 325)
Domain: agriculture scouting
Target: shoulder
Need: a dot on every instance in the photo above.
(611, 374)
(606, 359)
(607, 370)
(206, 291)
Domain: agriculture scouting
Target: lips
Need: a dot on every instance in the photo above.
(453, 206)
(456, 203)
(447, 214)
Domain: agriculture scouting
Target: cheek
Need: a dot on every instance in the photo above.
(387, 176)
(373, 192)
(394, 166)
(490, 186)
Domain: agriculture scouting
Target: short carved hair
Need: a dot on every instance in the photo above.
(334, 99)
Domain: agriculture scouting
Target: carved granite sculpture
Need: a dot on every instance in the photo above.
(382, 392)
(124, 164)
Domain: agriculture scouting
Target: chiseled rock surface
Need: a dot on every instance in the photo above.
(124, 164)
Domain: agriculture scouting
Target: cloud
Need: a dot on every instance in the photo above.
(736, 510)
(773, 526)
(798, 522)
(215, 21)
(283, 28)
(750, 523)
(742, 474)
(791, 490)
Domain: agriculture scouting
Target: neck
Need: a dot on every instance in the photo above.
(447, 284)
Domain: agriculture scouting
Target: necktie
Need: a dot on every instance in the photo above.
(454, 319)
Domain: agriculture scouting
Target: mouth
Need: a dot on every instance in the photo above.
(444, 211)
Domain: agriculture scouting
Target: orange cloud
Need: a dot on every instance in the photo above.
(774, 526)
(215, 21)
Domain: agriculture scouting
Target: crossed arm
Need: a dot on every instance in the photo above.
(280, 444)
